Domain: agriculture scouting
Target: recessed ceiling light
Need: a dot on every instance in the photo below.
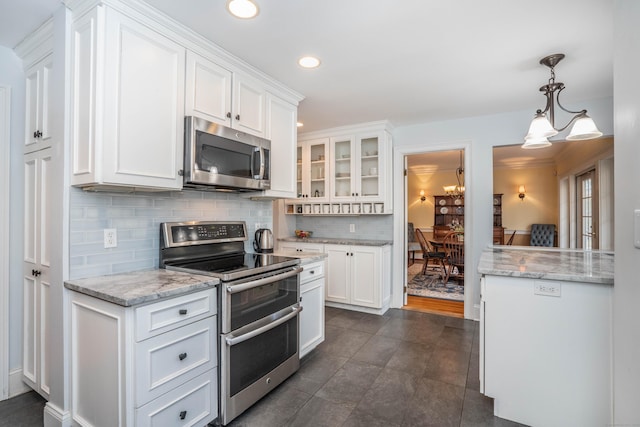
(309, 62)
(244, 9)
(299, 124)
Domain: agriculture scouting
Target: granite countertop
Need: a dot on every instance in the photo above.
(305, 257)
(139, 287)
(337, 241)
(548, 263)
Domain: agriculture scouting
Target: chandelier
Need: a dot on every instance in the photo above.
(543, 124)
(456, 191)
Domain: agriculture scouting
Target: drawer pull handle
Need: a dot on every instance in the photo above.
(183, 311)
(182, 356)
(183, 415)
(312, 272)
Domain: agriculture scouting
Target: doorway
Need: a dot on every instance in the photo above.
(587, 210)
(434, 203)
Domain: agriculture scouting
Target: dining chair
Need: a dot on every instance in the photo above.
(453, 244)
(510, 241)
(542, 234)
(430, 256)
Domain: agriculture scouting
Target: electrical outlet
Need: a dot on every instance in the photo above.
(110, 238)
(352, 228)
(547, 289)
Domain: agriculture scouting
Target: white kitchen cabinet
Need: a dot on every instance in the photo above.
(545, 350)
(127, 105)
(38, 105)
(153, 364)
(36, 267)
(359, 276)
(222, 96)
(312, 282)
(316, 248)
(312, 170)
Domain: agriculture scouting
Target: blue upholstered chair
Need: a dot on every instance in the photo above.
(542, 234)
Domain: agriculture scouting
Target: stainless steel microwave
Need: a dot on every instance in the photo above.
(217, 157)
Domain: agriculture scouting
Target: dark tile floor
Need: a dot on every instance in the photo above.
(401, 369)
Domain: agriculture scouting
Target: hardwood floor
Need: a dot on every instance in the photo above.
(435, 305)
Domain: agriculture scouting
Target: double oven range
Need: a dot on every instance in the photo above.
(258, 307)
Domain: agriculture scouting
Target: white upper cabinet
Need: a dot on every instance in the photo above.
(128, 103)
(313, 170)
(221, 96)
(282, 117)
(38, 106)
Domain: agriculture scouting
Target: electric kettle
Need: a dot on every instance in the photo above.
(263, 242)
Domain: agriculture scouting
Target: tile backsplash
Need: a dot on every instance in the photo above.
(137, 217)
(367, 227)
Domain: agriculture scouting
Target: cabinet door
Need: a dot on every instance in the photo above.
(281, 130)
(249, 100)
(313, 170)
(338, 273)
(369, 167)
(38, 105)
(342, 161)
(366, 272)
(312, 315)
(36, 264)
(144, 106)
(208, 90)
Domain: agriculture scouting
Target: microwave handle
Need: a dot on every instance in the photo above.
(260, 174)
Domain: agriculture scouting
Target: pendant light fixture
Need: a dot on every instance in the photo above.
(543, 124)
(456, 191)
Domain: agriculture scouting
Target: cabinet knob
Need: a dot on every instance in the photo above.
(183, 311)
(37, 134)
(180, 172)
(237, 116)
(182, 356)
(312, 272)
(228, 115)
(183, 415)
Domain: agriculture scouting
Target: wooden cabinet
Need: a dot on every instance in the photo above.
(312, 283)
(448, 211)
(358, 276)
(36, 267)
(221, 96)
(38, 105)
(497, 210)
(127, 105)
(147, 365)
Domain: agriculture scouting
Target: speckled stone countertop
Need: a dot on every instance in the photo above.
(548, 263)
(129, 289)
(305, 257)
(337, 241)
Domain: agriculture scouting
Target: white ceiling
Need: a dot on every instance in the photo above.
(409, 62)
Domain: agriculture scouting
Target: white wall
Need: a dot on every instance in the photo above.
(12, 75)
(478, 135)
(626, 291)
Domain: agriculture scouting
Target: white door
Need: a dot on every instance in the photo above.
(338, 273)
(587, 210)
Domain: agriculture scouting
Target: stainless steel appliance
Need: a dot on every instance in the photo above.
(263, 242)
(258, 307)
(220, 158)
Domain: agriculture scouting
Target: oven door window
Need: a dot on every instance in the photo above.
(252, 359)
(222, 156)
(262, 301)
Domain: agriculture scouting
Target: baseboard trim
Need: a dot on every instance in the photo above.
(56, 417)
(16, 385)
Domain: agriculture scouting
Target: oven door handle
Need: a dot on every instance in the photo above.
(231, 340)
(233, 289)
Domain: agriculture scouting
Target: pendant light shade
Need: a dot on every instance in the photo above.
(540, 128)
(584, 128)
(532, 143)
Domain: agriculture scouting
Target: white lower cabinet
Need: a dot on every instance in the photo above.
(359, 276)
(312, 281)
(149, 365)
(301, 247)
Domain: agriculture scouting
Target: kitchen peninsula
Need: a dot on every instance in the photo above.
(545, 335)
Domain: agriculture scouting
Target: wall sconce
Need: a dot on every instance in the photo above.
(422, 196)
(521, 192)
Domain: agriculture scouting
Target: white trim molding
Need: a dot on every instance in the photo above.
(5, 148)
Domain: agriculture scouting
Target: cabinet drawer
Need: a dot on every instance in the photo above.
(154, 319)
(312, 272)
(193, 403)
(165, 361)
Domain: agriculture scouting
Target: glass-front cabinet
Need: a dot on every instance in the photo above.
(344, 171)
(313, 169)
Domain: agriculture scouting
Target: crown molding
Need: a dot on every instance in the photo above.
(36, 45)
